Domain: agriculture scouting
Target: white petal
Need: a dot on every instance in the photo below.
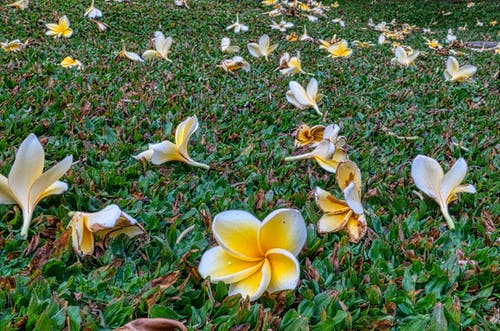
(6, 195)
(285, 270)
(284, 229)
(353, 199)
(290, 97)
(48, 178)
(254, 50)
(300, 94)
(312, 88)
(427, 175)
(453, 178)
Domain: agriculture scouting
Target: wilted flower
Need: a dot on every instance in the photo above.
(234, 64)
(305, 36)
(59, 30)
(263, 48)
(92, 12)
(290, 65)
(362, 44)
(27, 184)
(309, 135)
(456, 73)
(225, 46)
(255, 256)
(345, 214)
(302, 98)
(162, 48)
(324, 44)
(20, 4)
(434, 44)
(443, 188)
(107, 223)
(129, 55)
(405, 58)
(69, 62)
(292, 37)
(101, 26)
(237, 26)
(181, 3)
(339, 49)
(167, 151)
(282, 26)
(12, 46)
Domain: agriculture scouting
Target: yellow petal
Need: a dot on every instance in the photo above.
(237, 232)
(221, 266)
(333, 222)
(329, 204)
(183, 133)
(82, 238)
(48, 178)
(348, 172)
(356, 228)
(254, 285)
(427, 175)
(67, 33)
(56, 188)
(6, 195)
(285, 270)
(464, 73)
(285, 229)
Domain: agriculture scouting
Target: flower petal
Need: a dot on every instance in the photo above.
(352, 198)
(452, 66)
(427, 175)
(285, 270)
(146, 155)
(329, 204)
(356, 228)
(452, 179)
(237, 232)
(47, 179)
(348, 172)
(312, 88)
(221, 266)
(300, 94)
(82, 238)
(6, 195)
(333, 222)
(149, 54)
(165, 152)
(290, 97)
(464, 72)
(254, 285)
(254, 50)
(56, 188)
(285, 229)
(264, 42)
(183, 133)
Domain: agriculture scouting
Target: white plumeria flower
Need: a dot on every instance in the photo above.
(290, 65)
(450, 37)
(302, 98)
(456, 73)
(225, 46)
(282, 26)
(162, 48)
(92, 12)
(237, 27)
(405, 58)
(430, 179)
(130, 55)
(263, 48)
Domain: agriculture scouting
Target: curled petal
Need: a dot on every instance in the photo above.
(356, 228)
(452, 179)
(348, 172)
(255, 285)
(6, 195)
(284, 229)
(183, 133)
(164, 152)
(329, 204)
(353, 199)
(254, 50)
(333, 222)
(82, 238)
(427, 175)
(285, 270)
(290, 97)
(56, 188)
(48, 178)
(299, 94)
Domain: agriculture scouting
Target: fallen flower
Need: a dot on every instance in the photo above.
(153, 324)
(405, 58)
(20, 4)
(456, 73)
(69, 62)
(237, 26)
(162, 48)
(61, 29)
(166, 151)
(27, 184)
(255, 256)
(443, 188)
(302, 98)
(234, 64)
(181, 3)
(433, 44)
(345, 214)
(263, 48)
(101, 26)
(12, 46)
(290, 65)
(129, 55)
(340, 49)
(225, 46)
(92, 12)
(282, 26)
(362, 44)
(107, 223)
(309, 135)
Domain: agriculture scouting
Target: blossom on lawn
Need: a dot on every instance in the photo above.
(69, 62)
(92, 11)
(263, 48)
(27, 184)
(167, 151)
(20, 4)
(12, 46)
(225, 46)
(282, 26)
(234, 64)
(290, 65)
(339, 49)
(107, 223)
(307, 135)
(405, 58)
(61, 29)
(304, 98)
(433, 44)
(254, 256)
(162, 48)
(442, 188)
(345, 214)
(456, 73)
(129, 55)
(237, 26)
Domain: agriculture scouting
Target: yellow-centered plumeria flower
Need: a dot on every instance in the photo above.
(307, 135)
(20, 4)
(167, 151)
(27, 184)
(69, 62)
(345, 214)
(12, 46)
(362, 44)
(254, 256)
(292, 37)
(497, 49)
(107, 223)
(304, 98)
(282, 26)
(162, 48)
(433, 44)
(324, 44)
(234, 64)
(129, 55)
(61, 29)
(290, 65)
(405, 58)
(237, 26)
(455, 73)
(263, 48)
(92, 12)
(225, 46)
(442, 188)
(329, 152)
(339, 49)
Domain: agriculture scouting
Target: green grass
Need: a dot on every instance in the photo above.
(408, 273)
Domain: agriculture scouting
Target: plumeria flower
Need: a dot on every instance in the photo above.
(339, 49)
(433, 44)
(497, 49)
(107, 223)
(101, 26)
(345, 214)
(470, 4)
(405, 58)
(162, 48)
(329, 152)
(27, 184)
(381, 40)
(493, 23)
(309, 135)
(305, 36)
(237, 26)
(269, 2)
(479, 23)
(362, 44)
(282, 26)
(263, 48)
(275, 12)
(61, 29)
(455, 73)
(92, 12)
(20, 4)
(324, 44)
(225, 46)
(304, 98)
(335, 4)
(167, 151)
(442, 188)
(69, 62)
(450, 37)
(290, 65)
(292, 37)
(427, 31)
(12, 46)
(234, 64)
(254, 256)
(130, 55)
(181, 3)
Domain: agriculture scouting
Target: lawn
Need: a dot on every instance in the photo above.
(409, 272)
